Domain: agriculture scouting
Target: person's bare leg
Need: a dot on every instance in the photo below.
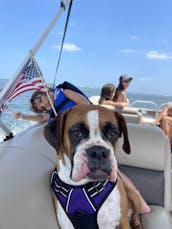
(167, 127)
(160, 116)
(129, 185)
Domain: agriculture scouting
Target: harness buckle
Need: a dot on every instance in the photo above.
(96, 189)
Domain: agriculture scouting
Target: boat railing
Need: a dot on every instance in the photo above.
(148, 109)
(164, 105)
(146, 102)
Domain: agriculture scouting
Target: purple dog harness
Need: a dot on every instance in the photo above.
(81, 203)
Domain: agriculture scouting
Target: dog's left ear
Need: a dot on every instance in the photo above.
(53, 132)
(123, 129)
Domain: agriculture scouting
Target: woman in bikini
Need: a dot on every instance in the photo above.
(120, 94)
(164, 120)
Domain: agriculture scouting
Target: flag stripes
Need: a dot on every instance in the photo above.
(29, 80)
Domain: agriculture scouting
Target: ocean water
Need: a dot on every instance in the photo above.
(22, 104)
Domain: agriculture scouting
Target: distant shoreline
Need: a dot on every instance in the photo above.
(99, 88)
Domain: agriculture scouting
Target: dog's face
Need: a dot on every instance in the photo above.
(87, 135)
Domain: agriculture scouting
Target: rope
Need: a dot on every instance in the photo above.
(64, 34)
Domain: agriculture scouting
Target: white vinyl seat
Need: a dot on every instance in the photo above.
(25, 196)
(131, 114)
(94, 99)
(149, 167)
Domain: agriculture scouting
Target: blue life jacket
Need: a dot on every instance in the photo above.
(81, 203)
(61, 102)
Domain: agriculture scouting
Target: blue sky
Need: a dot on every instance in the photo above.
(104, 40)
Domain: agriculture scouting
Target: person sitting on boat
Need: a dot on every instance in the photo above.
(120, 94)
(107, 95)
(61, 98)
(106, 98)
(164, 120)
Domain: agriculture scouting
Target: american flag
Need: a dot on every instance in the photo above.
(29, 80)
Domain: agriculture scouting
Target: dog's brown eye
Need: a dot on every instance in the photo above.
(112, 133)
(77, 133)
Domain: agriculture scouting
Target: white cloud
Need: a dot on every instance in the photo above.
(127, 50)
(133, 50)
(59, 33)
(153, 54)
(68, 47)
(144, 79)
(133, 38)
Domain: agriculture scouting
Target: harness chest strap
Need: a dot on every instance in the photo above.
(81, 203)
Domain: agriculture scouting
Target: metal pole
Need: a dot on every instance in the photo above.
(13, 81)
(4, 130)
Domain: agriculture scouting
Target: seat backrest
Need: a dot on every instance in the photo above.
(95, 99)
(131, 114)
(149, 164)
(131, 118)
(25, 194)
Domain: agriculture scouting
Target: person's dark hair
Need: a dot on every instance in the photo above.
(120, 86)
(106, 92)
(35, 96)
(118, 91)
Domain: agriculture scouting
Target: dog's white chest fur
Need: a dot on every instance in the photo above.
(108, 216)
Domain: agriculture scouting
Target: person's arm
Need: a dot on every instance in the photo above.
(115, 104)
(34, 118)
(161, 115)
(122, 97)
(75, 97)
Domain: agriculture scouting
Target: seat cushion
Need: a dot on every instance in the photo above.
(147, 181)
(25, 193)
(158, 218)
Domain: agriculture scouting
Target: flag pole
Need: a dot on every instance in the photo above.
(10, 85)
(13, 81)
(11, 111)
(43, 82)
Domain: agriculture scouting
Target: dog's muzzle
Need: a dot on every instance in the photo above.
(98, 162)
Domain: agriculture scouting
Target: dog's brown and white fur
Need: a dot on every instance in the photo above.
(74, 134)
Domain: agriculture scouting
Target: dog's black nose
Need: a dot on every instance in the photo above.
(98, 162)
(97, 152)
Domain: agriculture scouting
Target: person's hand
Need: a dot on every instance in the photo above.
(18, 115)
(154, 123)
(3, 107)
(123, 105)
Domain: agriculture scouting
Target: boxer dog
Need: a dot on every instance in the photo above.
(87, 190)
